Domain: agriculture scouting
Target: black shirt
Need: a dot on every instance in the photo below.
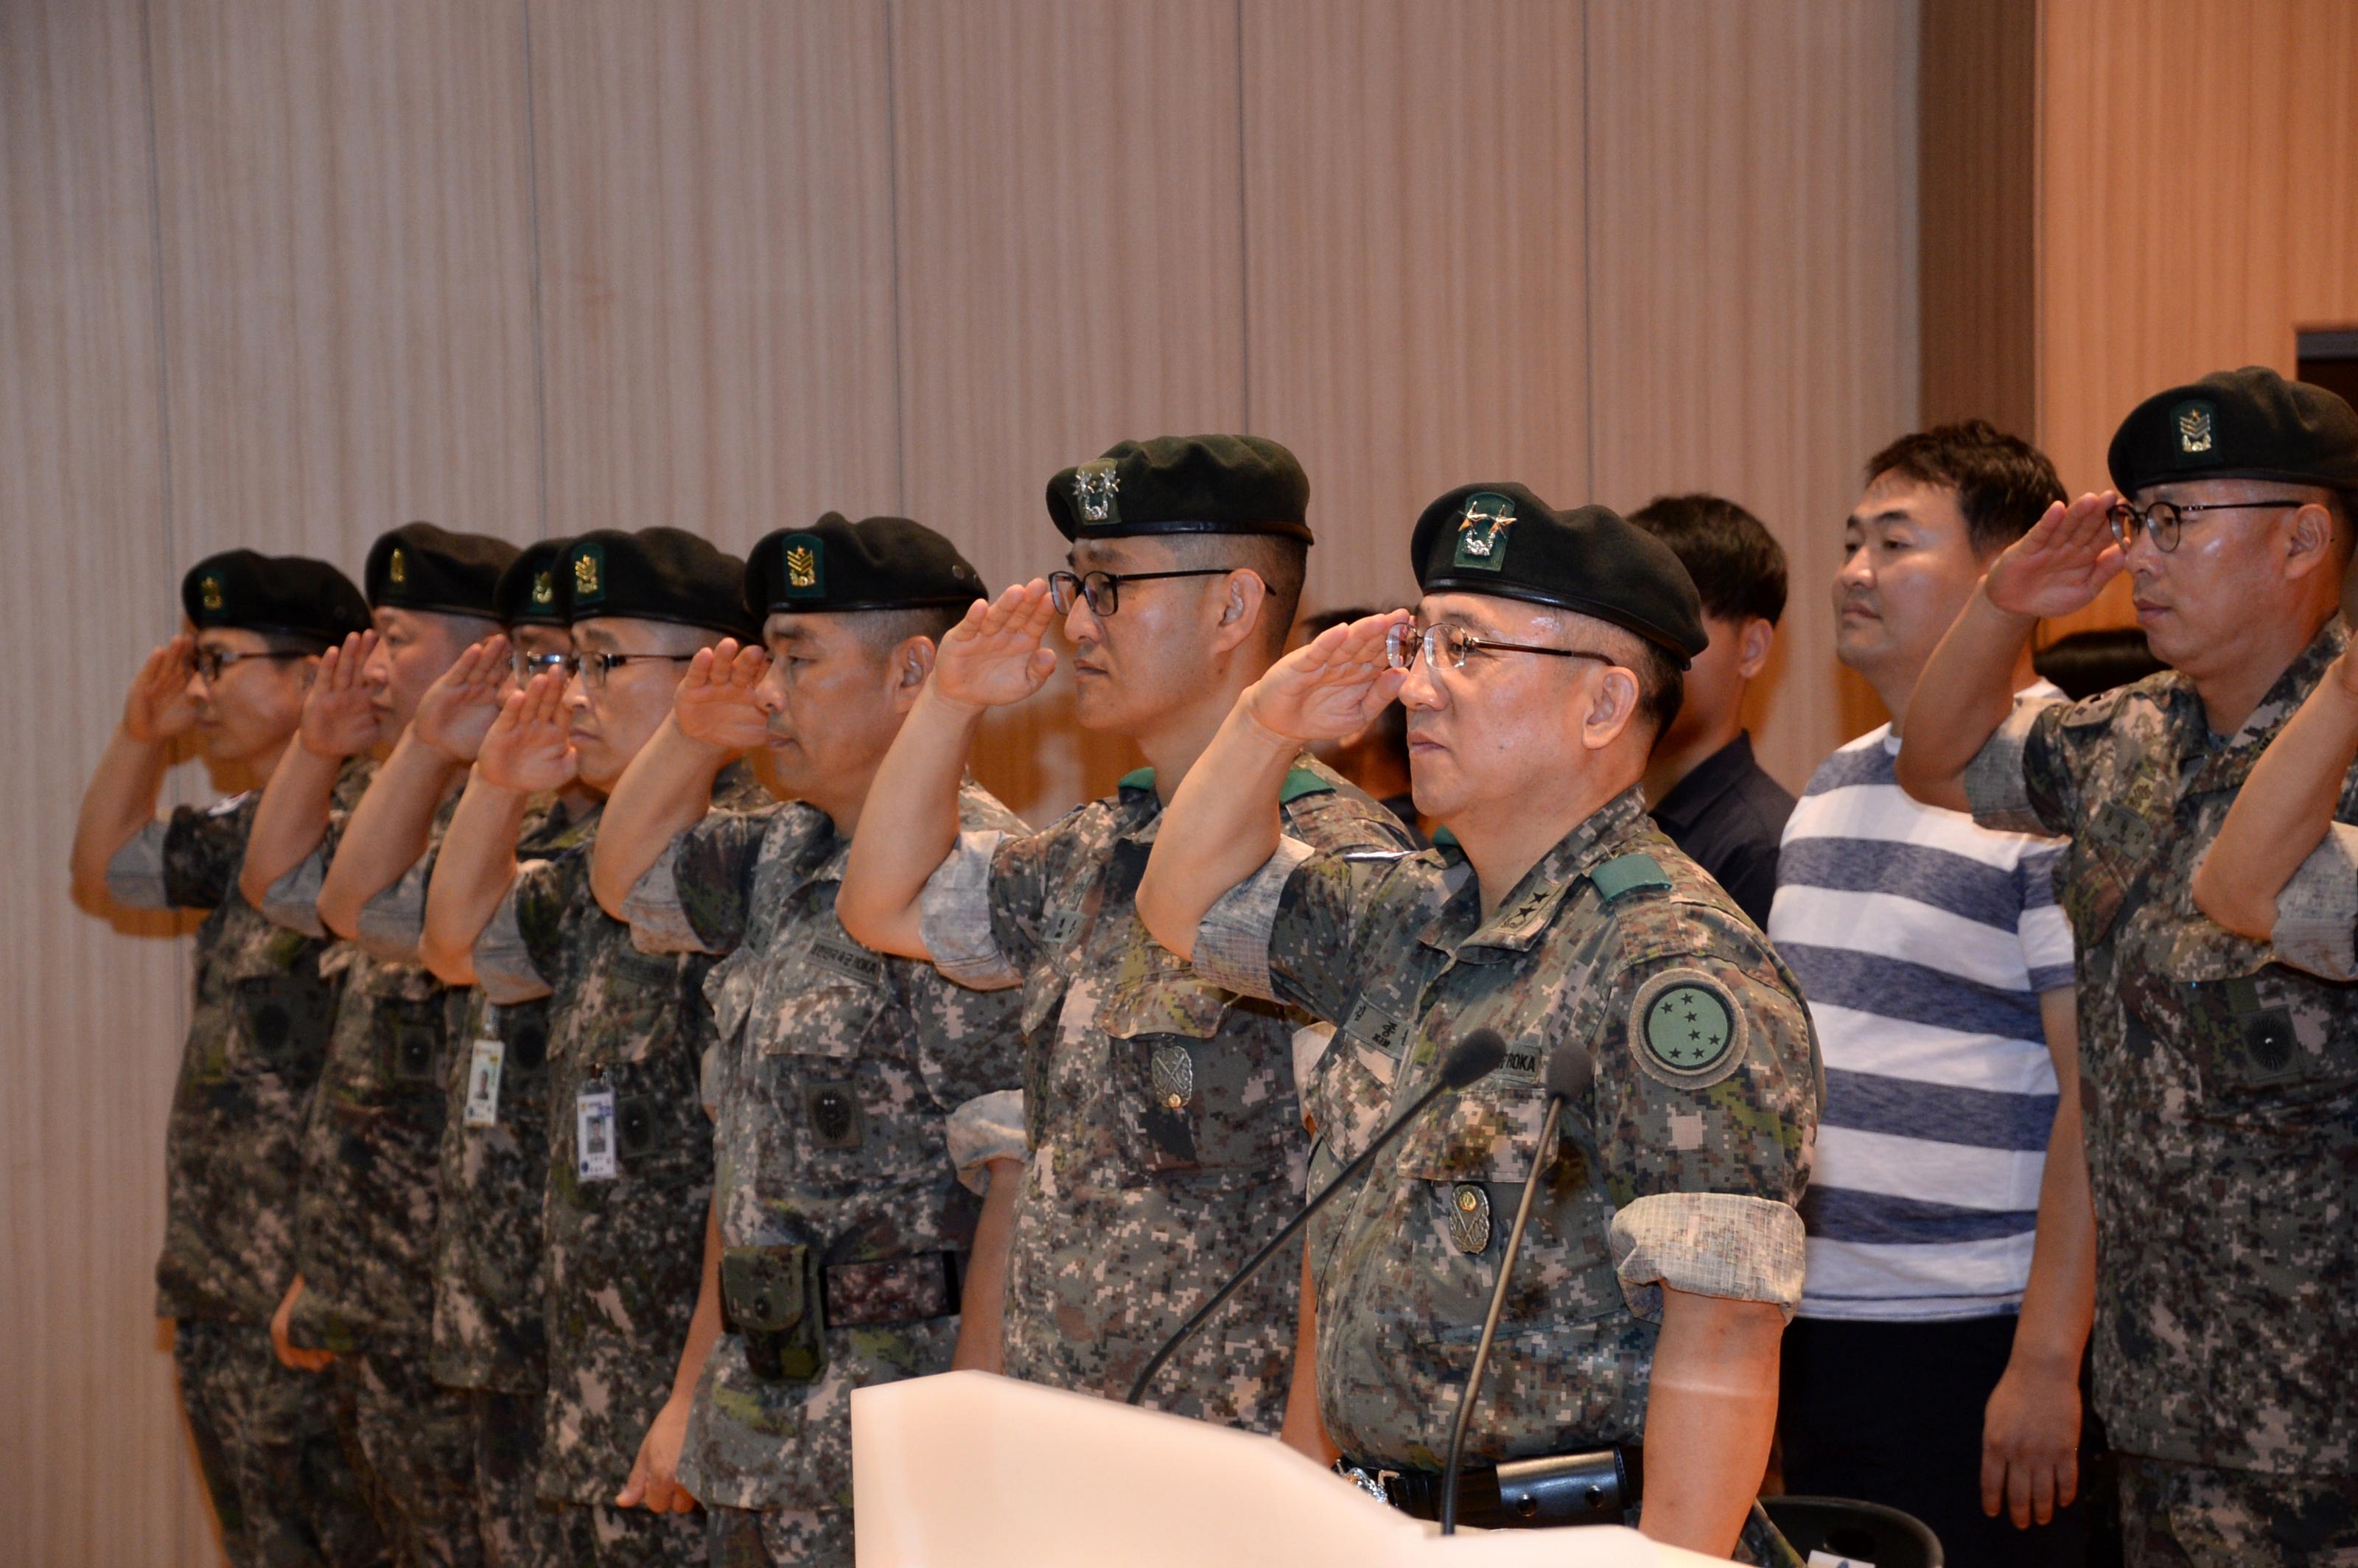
(1728, 816)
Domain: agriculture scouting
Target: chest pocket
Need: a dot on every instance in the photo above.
(285, 1018)
(2101, 865)
(2269, 1036)
(1202, 1079)
(851, 1101)
(639, 1011)
(1350, 1089)
(409, 1044)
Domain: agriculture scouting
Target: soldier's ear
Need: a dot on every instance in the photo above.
(1612, 705)
(2309, 542)
(912, 665)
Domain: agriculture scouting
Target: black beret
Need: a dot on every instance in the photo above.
(877, 563)
(2244, 424)
(531, 590)
(293, 595)
(1184, 484)
(421, 567)
(1501, 539)
(657, 574)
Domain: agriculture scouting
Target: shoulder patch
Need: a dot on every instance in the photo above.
(1626, 874)
(1302, 781)
(1685, 1028)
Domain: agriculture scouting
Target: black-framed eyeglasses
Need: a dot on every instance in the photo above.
(1103, 590)
(523, 666)
(209, 662)
(2167, 519)
(593, 664)
(1448, 647)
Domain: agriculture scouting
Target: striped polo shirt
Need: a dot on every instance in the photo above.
(1921, 943)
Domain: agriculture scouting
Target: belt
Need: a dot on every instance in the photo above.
(1591, 1486)
(909, 1289)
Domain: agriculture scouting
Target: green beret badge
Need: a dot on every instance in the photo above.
(210, 590)
(1482, 531)
(397, 568)
(589, 574)
(1094, 484)
(802, 564)
(2193, 421)
(1685, 1030)
(544, 590)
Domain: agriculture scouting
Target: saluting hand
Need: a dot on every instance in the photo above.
(994, 656)
(159, 706)
(459, 709)
(2062, 564)
(1331, 686)
(718, 703)
(340, 716)
(530, 747)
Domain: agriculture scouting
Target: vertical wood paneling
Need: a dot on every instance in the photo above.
(1752, 273)
(716, 249)
(1415, 277)
(346, 266)
(91, 1433)
(1069, 213)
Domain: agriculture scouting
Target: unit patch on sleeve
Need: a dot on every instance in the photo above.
(1685, 1030)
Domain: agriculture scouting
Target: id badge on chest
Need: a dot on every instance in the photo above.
(593, 1131)
(484, 1083)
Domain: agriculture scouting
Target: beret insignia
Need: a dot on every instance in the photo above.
(2194, 428)
(802, 567)
(210, 590)
(397, 568)
(1482, 531)
(1094, 484)
(588, 575)
(544, 589)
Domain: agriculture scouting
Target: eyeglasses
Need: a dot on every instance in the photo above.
(209, 662)
(526, 665)
(2168, 519)
(1448, 647)
(593, 665)
(1103, 590)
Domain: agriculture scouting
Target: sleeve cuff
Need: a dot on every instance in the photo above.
(986, 1128)
(1711, 1244)
(504, 965)
(134, 878)
(954, 916)
(293, 900)
(659, 922)
(1995, 791)
(393, 923)
(1232, 939)
(2317, 914)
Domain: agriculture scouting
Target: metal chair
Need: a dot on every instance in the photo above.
(1869, 1534)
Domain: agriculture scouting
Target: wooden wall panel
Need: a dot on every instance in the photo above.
(1069, 218)
(347, 270)
(1416, 288)
(1752, 269)
(93, 1018)
(716, 249)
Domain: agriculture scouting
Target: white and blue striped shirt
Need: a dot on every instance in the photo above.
(1922, 943)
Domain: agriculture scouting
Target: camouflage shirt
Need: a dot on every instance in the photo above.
(624, 1254)
(2219, 1087)
(1680, 1165)
(837, 1074)
(365, 1223)
(257, 1035)
(1162, 1113)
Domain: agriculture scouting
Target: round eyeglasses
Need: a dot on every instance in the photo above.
(2167, 519)
(1448, 647)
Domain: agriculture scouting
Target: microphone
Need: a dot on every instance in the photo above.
(1473, 1058)
(1569, 1074)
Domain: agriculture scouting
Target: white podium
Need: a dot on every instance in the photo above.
(966, 1470)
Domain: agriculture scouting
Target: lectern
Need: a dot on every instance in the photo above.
(966, 1470)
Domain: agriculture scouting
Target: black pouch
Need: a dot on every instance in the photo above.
(412, 1044)
(775, 1298)
(286, 1018)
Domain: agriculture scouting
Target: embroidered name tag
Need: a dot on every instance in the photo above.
(1377, 1027)
(847, 959)
(1058, 928)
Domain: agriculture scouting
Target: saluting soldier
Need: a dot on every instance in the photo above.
(1664, 1254)
(841, 1073)
(361, 1300)
(257, 1036)
(1163, 1116)
(2219, 1079)
(629, 1155)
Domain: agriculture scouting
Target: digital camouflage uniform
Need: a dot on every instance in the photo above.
(1681, 1166)
(1164, 1125)
(257, 1032)
(487, 1336)
(2220, 1089)
(837, 1074)
(625, 1255)
(365, 1226)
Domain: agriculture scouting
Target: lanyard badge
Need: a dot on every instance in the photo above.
(593, 1130)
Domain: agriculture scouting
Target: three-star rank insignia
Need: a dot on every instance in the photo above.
(397, 568)
(1685, 1028)
(1482, 531)
(209, 592)
(1094, 484)
(589, 574)
(2195, 428)
(1469, 1217)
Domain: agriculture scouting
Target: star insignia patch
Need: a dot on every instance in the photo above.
(1685, 1028)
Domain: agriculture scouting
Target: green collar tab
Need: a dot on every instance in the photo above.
(1626, 874)
(1442, 838)
(1302, 781)
(1137, 778)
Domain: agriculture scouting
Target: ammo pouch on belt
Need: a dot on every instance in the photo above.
(775, 1301)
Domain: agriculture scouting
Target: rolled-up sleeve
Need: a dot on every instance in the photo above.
(504, 965)
(954, 916)
(134, 878)
(986, 1128)
(1995, 789)
(659, 922)
(393, 923)
(2317, 913)
(293, 900)
(1708, 1244)
(1232, 939)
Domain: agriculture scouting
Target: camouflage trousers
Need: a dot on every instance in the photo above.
(518, 1529)
(597, 1536)
(780, 1538)
(414, 1441)
(2187, 1516)
(266, 1441)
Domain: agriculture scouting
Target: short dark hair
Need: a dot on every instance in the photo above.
(1279, 562)
(2003, 484)
(292, 642)
(882, 631)
(1736, 564)
(1661, 685)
